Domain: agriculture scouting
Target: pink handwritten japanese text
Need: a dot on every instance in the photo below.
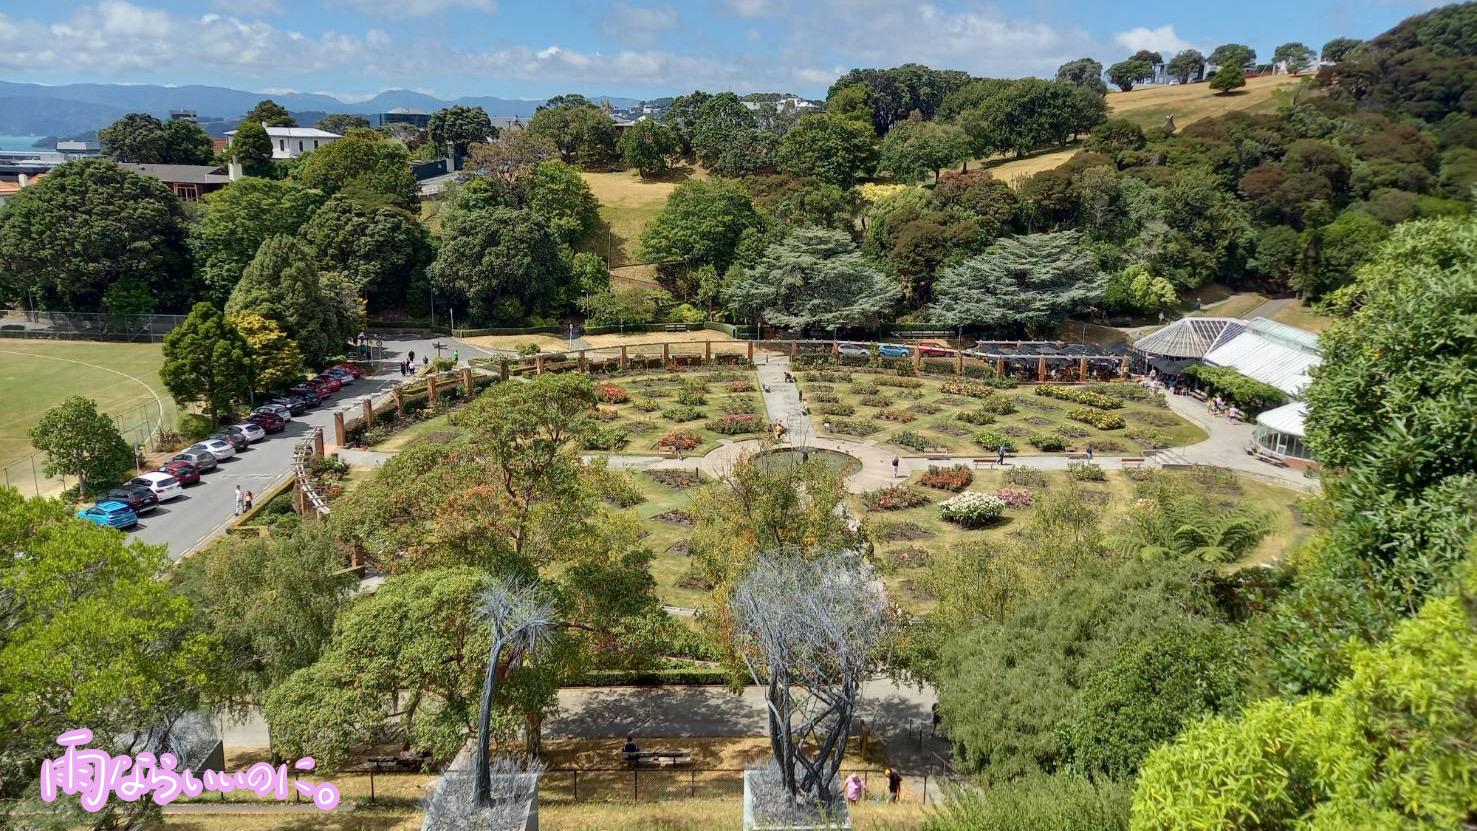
(96, 775)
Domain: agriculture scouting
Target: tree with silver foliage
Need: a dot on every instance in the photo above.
(813, 277)
(520, 618)
(1029, 282)
(805, 629)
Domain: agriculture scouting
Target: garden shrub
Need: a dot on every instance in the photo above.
(853, 426)
(606, 438)
(741, 385)
(910, 440)
(1245, 393)
(526, 349)
(970, 389)
(864, 389)
(926, 408)
(993, 439)
(1024, 476)
(900, 531)
(1047, 443)
(824, 397)
(736, 424)
(899, 416)
(1069, 431)
(999, 405)
(611, 394)
(681, 413)
(953, 478)
(1128, 391)
(976, 417)
(837, 409)
(691, 397)
(972, 509)
(736, 406)
(901, 382)
(1086, 472)
(895, 498)
(1016, 497)
(1077, 395)
(676, 479)
(617, 488)
(878, 401)
(1147, 438)
(1097, 418)
(1038, 803)
(604, 414)
(679, 440)
(1015, 431)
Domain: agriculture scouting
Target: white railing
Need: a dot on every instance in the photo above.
(305, 450)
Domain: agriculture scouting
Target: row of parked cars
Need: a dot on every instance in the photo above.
(926, 348)
(121, 507)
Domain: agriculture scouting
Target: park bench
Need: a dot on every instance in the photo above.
(938, 458)
(409, 764)
(1269, 457)
(676, 327)
(1132, 461)
(985, 464)
(658, 758)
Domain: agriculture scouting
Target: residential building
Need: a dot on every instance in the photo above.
(291, 142)
(74, 149)
(190, 182)
(11, 186)
(418, 119)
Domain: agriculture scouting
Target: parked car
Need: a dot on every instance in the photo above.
(277, 410)
(334, 384)
(221, 450)
(252, 432)
(237, 441)
(295, 406)
(203, 460)
(344, 376)
(110, 514)
(308, 394)
(164, 486)
(935, 349)
(349, 368)
(893, 350)
(140, 498)
(855, 350)
(321, 386)
(185, 472)
(269, 422)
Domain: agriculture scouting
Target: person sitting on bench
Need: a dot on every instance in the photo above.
(630, 748)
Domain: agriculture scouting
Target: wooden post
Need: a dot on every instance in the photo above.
(999, 366)
(538, 364)
(666, 353)
(751, 353)
(623, 356)
(1041, 369)
(836, 351)
(431, 388)
(1082, 370)
(297, 495)
(793, 350)
(339, 435)
(707, 352)
(1123, 370)
(368, 407)
(583, 365)
(917, 359)
(467, 386)
(959, 361)
(399, 401)
(317, 443)
(502, 369)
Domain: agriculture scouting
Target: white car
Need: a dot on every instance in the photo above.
(164, 486)
(275, 409)
(221, 450)
(249, 431)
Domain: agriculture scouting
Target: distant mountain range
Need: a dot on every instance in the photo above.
(72, 109)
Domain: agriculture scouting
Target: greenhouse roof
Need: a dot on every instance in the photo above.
(1270, 352)
(1188, 337)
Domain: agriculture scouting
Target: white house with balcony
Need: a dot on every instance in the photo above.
(291, 142)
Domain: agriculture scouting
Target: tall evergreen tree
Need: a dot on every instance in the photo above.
(282, 285)
(206, 361)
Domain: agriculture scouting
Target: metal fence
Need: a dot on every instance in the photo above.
(87, 326)
(142, 427)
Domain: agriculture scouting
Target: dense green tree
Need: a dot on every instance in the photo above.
(827, 148)
(82, 443)
(512, 155)
(1020, 283)
(1298, 56)
(1276, 254)
(682, 117)
(252, 148)
(269, 113)
(206, 361)
(1022, 116)
(1331, 254)
(1148, 56)
(700, 224)
(750, 152)
(237, 219)
(366, 162)
(558, 195)
(282, 284)
(380, 249)
(582, 132)
(851, 103)
(1083, 72)
(342, 123)
(588, 273)
(1337, 49)
(454, 128)
(897, 92)
(913, 149)
(142, 139)
(979, 196)
(501, 264)
(1137, 290)
(1227, 78)
(814, 277)
(619, 306)
(925, 245)
(87, 226)
(186, 142)
(646, 145)
(1187, 66)
(92, 637)
(276, 362)
(1125, 74)
(718, 122)
(805, 202)
(1205, 231)
(1232, 54)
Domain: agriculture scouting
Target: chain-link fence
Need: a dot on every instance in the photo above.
(87, 326)
(144, 428)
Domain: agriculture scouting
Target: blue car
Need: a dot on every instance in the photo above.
(109, 515)
(892, 350)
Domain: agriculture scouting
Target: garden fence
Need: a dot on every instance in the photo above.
(143, 428)
(149, 328)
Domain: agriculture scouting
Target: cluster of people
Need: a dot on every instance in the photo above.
(855, 787)
(1219, 406)
(243, 501)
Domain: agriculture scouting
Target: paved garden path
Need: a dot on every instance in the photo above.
(1226, 446)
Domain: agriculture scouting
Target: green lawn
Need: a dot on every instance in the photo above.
(847, 404)
(654, 409)
(121, 377)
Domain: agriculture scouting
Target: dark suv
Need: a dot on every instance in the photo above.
(138, 497)
(307, 393)
(295, 405)
(232, 438)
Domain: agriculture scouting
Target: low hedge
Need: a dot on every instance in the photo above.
(1097, 418)
(1245, 393)
(692, 676)
(1077, 395)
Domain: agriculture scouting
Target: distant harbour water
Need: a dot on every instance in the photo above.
(18, 142)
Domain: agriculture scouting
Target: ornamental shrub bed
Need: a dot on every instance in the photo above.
(993, 439)
(682, 413)
(606, 438)
(837, 409)
(926, 409)
(977, 417)
(1148, 438)
(602, 414)
(741, 385)
(1086, 472)
(972, 509)
(900, 532)
(1047, 443)
(853, 426)
(895, 498)
(1129, 392)
(898, 381)
(736, 405)
(972, 389)
(1025, 476)
(1068, 431)
(999, 405)
(611, 394)
(1077, 395)
(677, 479)
(736, 424)
(824, 397)
(679, 440)
(899, 416)
(864, 389)
(640, 427)
(910, 440)
(953, 478)
(1016, 497)
(951, 430)
(878, 401)
(1097, 418)
(691, 398)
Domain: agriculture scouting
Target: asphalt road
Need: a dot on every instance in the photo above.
(204, 509)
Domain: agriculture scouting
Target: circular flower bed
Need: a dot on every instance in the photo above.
(611, 394)
(973, 509)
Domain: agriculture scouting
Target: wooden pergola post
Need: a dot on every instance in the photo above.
(584, 366)
(751, 353)
(1123, 370)
(707, 352)
(999, 366)
(431, 388)
(467, 386)
(340, 436)
(538, 364)
(503, 369)
(317, 444)
(1041, 369)
(623, 356)
(368, 408)
(794, 350)
(399, 401)
(1082, 369)
(917, 359)
(666, 353)
(959, 362)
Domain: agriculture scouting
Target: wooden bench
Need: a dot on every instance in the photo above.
(411, 764)
(985, 464)
(658, 758)
(676, 327)
(939, 458)
(1132, 462)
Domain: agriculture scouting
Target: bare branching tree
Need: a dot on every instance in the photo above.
(521, 617)
(453, 805)
(806, 629)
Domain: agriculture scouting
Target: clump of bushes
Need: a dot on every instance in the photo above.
(976, 417)
(736, 405)
(677, 479)
(1245, 393)
(611, 394)
(1077, 395)
(973, 509)
(899, 416)
(878, 401)
(691, 397)
(606, 438)
(1148, 438)
(1047, 443)
(864, 389)
(999, 405)
(824, 397)
(679, 440)
(926, 408)
(853, 426)
(837, 409)
(910, 440)
(1023, 476)
(1068, 431)
(969, 389)
(993, 439)
(1086, 472)
(646, 405)
(1016, 497)
(736, 424)
(1097, 418)
(899, 382)
(682, 413)
(895, 498)
(953, 478)
(741, 385)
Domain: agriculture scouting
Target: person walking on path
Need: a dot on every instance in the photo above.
(240, 500)
(855, 788)
(456, 357)
(1001, 458)
(1089, 454)
(894, 466)
(894, 785)
(412, 356)
(934, 731)
(248, 501)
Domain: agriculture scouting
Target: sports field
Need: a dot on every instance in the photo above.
(123, 378)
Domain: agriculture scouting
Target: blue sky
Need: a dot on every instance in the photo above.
(637, 48)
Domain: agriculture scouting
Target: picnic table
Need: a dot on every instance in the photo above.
(392, 763)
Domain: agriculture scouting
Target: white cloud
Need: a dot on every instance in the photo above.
(401, 9)
(640, 25)
(1162, 40)
(750, 8)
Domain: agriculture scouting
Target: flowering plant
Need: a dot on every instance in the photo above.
(973, 509)
(1016, 497)
(611, 394)
(679, 440)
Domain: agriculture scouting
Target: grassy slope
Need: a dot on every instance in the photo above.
(627, 204)
(37, 375)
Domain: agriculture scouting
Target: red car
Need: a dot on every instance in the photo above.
(323, 388)
(268, 422)
(935, 349)
(334, 384)
(186, 473)
(351, 369)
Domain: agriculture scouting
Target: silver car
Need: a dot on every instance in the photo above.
(202, 459)
(218, 448)
(275, 409)
(251, 432)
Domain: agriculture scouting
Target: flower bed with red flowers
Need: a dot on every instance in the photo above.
(955, 478)
(679, 440)
(611, 394)
(895, 498)
(736, 424)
